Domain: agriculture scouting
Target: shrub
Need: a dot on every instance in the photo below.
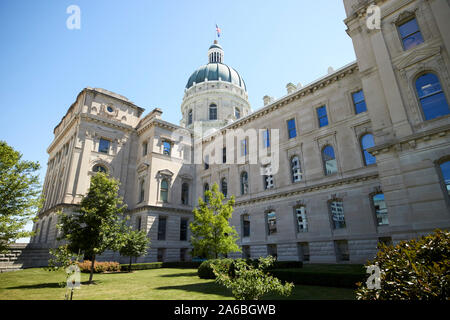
(248, 282)
(99, 267)
(205, 270)
(415, 269)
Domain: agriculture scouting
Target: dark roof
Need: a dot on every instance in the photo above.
(212, 72)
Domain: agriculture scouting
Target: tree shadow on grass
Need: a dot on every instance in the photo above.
(206, 288)
(52, 285)
(186, 274)
(39, 286)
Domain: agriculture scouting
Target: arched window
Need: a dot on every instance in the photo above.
(379, 205)
(190, 117)
(237, 112)
(185, 193)
(164, 192)
(366, 143)
(141, 191)
(224, 187)
(244, 183)
(296, 170)
(99, 168)
(212, 112)
(432, 98)
(205, 188)
(329, 160)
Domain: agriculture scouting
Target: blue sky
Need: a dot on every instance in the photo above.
(146, 51)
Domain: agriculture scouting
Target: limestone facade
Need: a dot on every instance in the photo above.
(326, 199)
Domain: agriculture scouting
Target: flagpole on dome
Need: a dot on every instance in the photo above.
(217, 31)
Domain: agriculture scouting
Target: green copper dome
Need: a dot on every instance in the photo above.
(214, 71)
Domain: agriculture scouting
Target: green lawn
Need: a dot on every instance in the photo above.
(155, 284)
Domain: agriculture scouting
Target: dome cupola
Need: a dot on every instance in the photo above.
(215, 94)
(216, 70)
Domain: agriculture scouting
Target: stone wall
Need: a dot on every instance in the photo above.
(24, 255)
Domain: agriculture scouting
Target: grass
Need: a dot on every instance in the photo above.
(155, 284)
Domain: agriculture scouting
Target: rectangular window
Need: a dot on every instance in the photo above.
(385, 240)
(166, 148)
(162, 228)
(337, 214)
(381, 213)
(183, 252)
(206, 162)
(322, 116)
(342, 250)
(144, 149)
(245, 226)
(271, 223)
(410, 34)
(103, 146)
(266, 138)
(292, 132)
(244, 147)
(224, 155)
(359, 102)
(161, 254)
(246, 252)
(302, 224)
(183, 229)
(268, 178)
(272, 250)
(303, 251)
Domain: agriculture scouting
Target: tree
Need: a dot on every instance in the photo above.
(135, 245)
(249, 282)
(411, 270)
(99, 224)
(211, 231)
(19, 195)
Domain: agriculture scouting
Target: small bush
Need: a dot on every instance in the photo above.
(248, 282)
(412, 270)
(205, 270)
(99, 267)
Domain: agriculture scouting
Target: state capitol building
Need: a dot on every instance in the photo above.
(357, 157)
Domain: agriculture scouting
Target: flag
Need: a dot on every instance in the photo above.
(218, 30)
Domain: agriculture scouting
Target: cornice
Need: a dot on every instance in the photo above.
(410, 141)
(59, 137)
(161, 124)
(303, 190)
(163, 209)
(305, 91)
(112, 124)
